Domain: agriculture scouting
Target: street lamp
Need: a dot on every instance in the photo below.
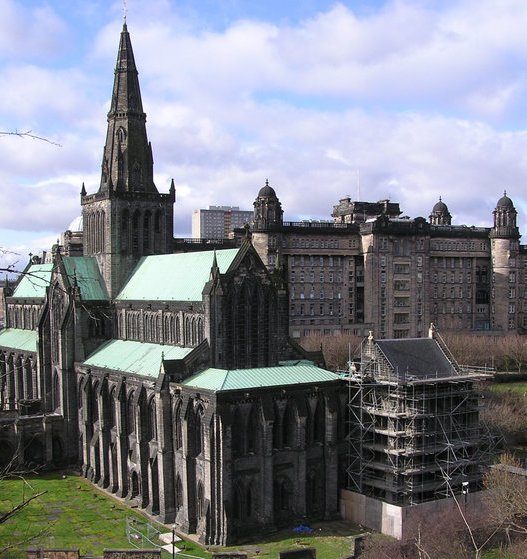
(173, 541)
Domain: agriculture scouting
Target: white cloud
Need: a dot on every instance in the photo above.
(30, 33)
(415, 98)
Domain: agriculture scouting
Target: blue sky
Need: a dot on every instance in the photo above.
(406, 99)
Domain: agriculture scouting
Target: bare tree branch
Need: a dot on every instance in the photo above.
(29, 134)
(7, 515)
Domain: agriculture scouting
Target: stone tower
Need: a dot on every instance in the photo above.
(504, 239)
(268, 211)
(127, 218)
(440, 214)
(267, 225)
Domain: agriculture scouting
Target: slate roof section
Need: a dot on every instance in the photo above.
(134, 357)
(174, 277)
(21, 340)
(225, 380)
(418, 357)
(85, 271)
(34, 282)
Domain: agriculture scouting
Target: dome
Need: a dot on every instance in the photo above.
(440, 207)
(505, 201)
(76, 226)
(266, 191)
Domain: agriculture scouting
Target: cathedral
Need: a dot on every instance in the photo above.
(170, 378)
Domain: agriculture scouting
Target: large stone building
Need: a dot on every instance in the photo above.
(373, 270)
(170, 379)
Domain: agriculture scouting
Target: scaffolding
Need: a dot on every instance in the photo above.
(413, 439)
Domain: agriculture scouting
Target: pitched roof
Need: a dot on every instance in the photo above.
(16, 338)
(34, 281)
(134, 357)
(85, 270)
(174, 277)
(419, 357)
(223, 380)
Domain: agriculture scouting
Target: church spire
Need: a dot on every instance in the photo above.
(127, 164)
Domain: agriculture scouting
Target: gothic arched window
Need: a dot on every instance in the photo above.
(179, 493)
(152, 420)
(130, 414)
(178, 430)
(252, 430)
(200, 509)
(56, 391)
(237, 433)
(289, 426)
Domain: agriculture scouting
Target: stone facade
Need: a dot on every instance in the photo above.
(98, 358)
(371, 269)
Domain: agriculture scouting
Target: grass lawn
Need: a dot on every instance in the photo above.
(74, 514)
(518, 388)
(332, 540)
(71, 514)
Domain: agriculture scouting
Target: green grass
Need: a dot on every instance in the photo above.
(518, 388)
(332, 540)
(74, 514)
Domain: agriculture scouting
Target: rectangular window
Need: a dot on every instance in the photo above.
(401, 268)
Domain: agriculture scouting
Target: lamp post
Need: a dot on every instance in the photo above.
(173, 541)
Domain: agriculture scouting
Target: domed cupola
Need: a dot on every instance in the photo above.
(267, 191)
(440, 214)
(268, 211)
(505, 219)
(505, 202)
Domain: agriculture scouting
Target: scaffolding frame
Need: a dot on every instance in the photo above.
(412, 440)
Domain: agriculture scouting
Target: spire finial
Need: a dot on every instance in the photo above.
(504, 192)
(440, 199)
(266, 182)
(125, 12)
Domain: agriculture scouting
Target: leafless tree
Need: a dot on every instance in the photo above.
(29, 134)
(507, 497)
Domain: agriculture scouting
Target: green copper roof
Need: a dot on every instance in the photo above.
(221, 380)
(34, 281)
(86, 272)
(134, 357)
(15, 338)
(174, 277)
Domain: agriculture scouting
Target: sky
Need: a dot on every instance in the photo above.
(406, 99)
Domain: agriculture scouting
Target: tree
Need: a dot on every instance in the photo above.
(29, 134)
(507, 497)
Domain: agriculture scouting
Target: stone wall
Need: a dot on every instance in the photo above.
(394, 520)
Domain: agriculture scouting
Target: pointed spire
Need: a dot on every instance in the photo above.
(127, 162)
(126, 93)
(215, 270)
(83, 190)
(172, 190)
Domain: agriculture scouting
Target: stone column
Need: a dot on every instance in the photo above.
(165, 455)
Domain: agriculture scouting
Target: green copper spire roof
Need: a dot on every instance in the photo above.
(174, 277)
(223, 380)
(16, 338)
(34, 282)
(84, 271)
(134, 357)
